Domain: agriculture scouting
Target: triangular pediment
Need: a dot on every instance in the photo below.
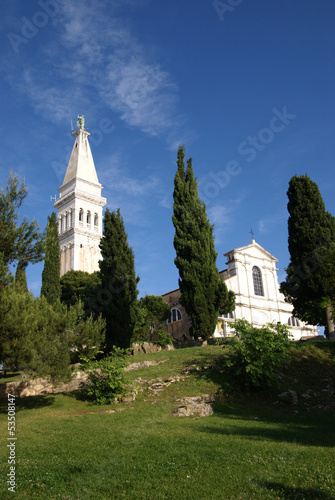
(253, 249)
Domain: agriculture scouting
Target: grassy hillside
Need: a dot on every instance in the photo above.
(271, 444)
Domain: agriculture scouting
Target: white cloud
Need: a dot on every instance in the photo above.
(92, 60)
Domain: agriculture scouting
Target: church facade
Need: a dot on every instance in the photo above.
(252, 275)
(79, 209)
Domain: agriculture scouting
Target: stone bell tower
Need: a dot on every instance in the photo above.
(79, 208)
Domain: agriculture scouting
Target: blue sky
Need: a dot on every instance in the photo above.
(248, 87)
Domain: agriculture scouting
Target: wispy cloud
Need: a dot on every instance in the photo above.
(94, 60)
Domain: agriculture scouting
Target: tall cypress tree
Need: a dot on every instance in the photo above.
(203, 294)
(20, 275)
(311, 234)
(118, 294)
(51, 288)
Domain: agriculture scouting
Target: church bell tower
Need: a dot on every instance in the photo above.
(79, 208)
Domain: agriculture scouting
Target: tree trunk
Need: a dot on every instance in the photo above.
(330, 322)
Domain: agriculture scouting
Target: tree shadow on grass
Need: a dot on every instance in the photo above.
(28, 403)
(291, 493)
(306, 430)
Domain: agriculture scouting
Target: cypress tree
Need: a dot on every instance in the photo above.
(20, 275)
(51, 288)
(118, 294)
(203, 294)
(311, 235)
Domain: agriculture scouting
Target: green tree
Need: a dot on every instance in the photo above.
(80, 285)
(151, 311)
(40, 338)
(311, 234)
(118, 294)
(203, 294)
(20, 275)
(17, 241)
(51, 288)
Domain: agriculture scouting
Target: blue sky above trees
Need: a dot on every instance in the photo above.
(246, 86)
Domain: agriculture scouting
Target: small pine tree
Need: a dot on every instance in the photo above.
(20, 276)
(203, 293)
(51, 288)
(118, 294)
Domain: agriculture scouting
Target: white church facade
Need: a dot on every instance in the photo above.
(79, 209)
(252, 276)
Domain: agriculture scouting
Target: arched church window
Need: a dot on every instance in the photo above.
(66, 221)
(175, 316)
(257, 279)
(81, 216)
(96, 221)
(88, 218)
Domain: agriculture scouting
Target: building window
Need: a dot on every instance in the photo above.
(257, 279)
(66, 221)
(228, 316)
(88, 218)
(292, 321)
(81, 217)
(175, 316)
(96, 221)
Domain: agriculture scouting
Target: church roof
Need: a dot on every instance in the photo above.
(81, 164)
(253, 244)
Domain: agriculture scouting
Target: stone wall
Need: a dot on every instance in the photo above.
(148, 347)
(42, 386)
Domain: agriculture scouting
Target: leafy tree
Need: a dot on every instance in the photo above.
(80, 285)
(311, 234)
(17, 241)
(51, 288)
(258, 353)
(118, 294)
(20, 275)
(203, 294)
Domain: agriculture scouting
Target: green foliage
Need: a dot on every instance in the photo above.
(80, 285)
(163, 337)
(38, 337)
(107, 376)
(118, 295)
(17, 242)
(259, 353)
(151, 311)
(20, 275)
(310, 277)
(51, 273)
(203, 293)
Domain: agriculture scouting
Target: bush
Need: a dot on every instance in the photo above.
(258, 353)
(106, 376)
(163, 337)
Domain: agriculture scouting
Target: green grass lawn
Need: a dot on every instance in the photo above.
(255, 446)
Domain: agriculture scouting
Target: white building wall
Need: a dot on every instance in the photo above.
(257, 309)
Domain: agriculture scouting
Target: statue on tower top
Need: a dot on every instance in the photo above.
(81, 122)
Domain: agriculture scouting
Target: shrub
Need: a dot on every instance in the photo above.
(259, 353)
(106, 376)
(163, 337)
